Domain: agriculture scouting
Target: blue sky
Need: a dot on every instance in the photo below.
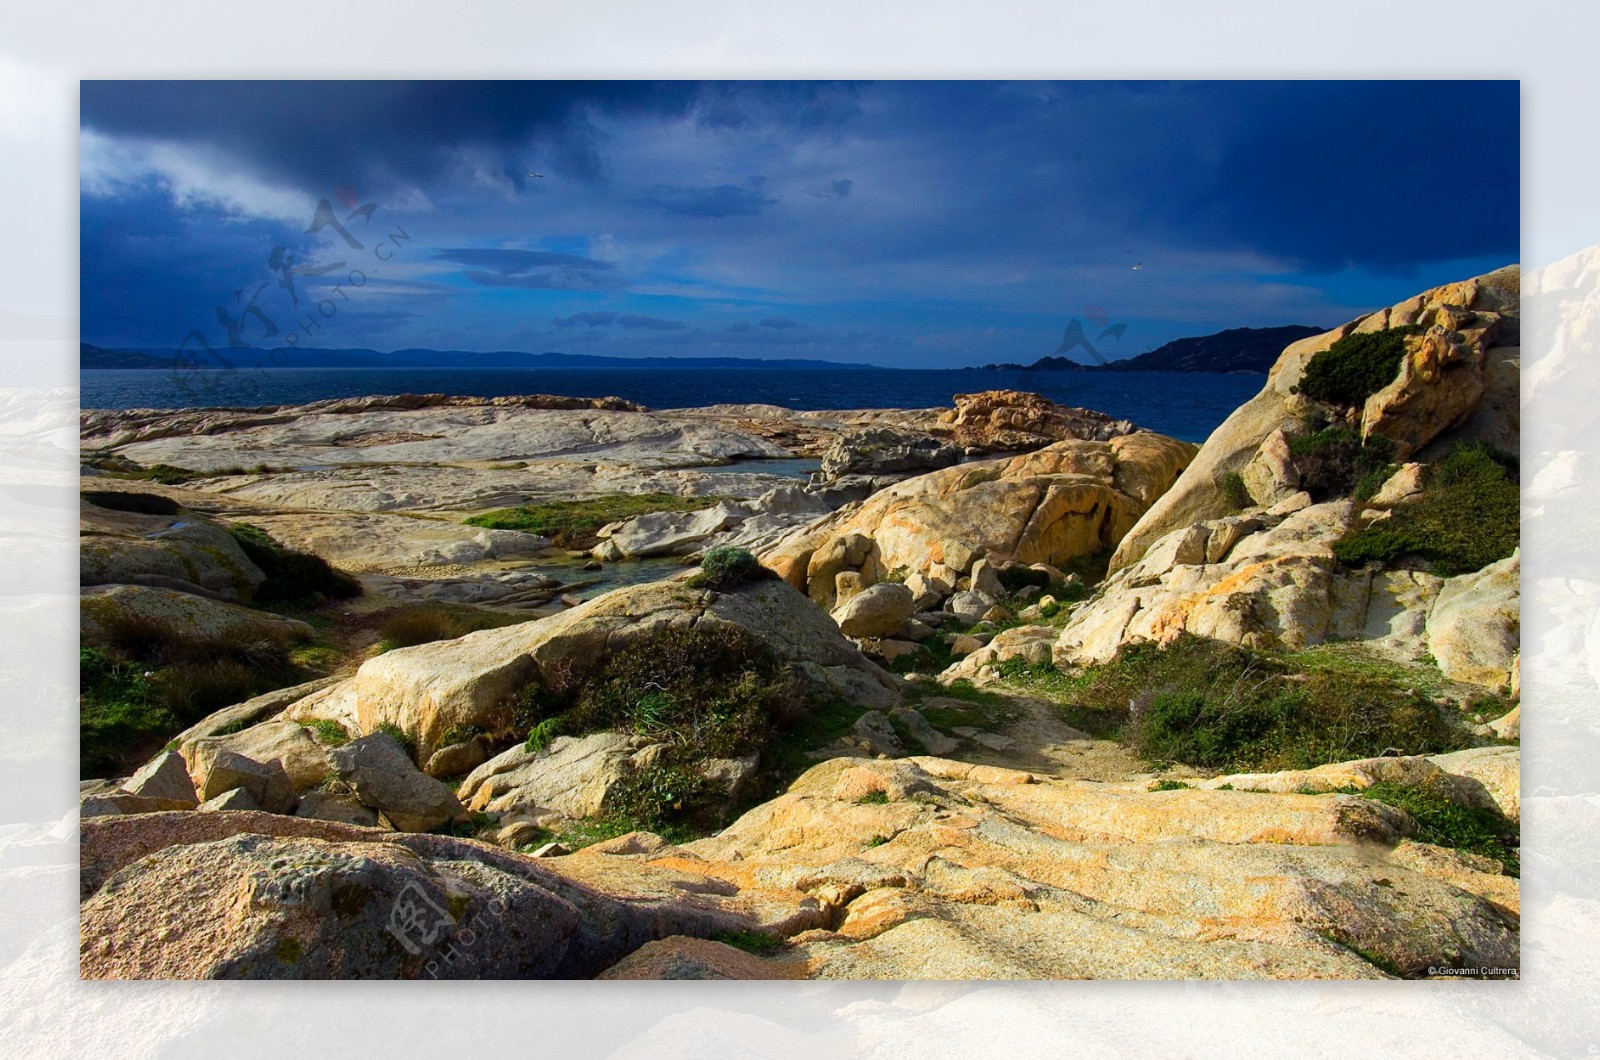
(909, 224)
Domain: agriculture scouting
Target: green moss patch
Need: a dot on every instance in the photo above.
(1356, 366)
(572, 524)
(1449, 824)
(727, 568)
(1467, 517)
(1335, 462)
(1210, 705)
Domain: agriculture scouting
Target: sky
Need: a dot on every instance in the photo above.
(904, 224)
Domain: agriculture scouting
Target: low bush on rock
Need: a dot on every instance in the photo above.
(152, 678)
(713, 690)
(1232, 487)
(1445, 823)
(1334, 462)
(328, 732)
(1356, 366)
(292, 577)
(725, 568)
(1467, 517)
(703, 692)
(760, 943)
(119, 713)
(572, 524)
(1212, 705)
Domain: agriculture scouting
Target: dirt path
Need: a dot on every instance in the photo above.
(1034, 738)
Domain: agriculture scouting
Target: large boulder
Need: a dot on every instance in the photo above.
(1479, 315)
(1277, 587)
(385, 779)
(950, 870)
(285, 742)
(261, 896)
(176, 551)
(878, 611)
(572, 777)
(1474, 628)
(217, 770)
(666, 533)
(1068, 500)
(1014, 420)
(103, 609)
(471, 681)
(166, 776)
(879, 451)
(1438, 388)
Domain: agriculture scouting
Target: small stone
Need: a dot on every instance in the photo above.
(550, 850)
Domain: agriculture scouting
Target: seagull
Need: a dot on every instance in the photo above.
(533, 174)
(1137, 266)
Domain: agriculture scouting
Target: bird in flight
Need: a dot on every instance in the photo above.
(531, 173)
(1138, 265)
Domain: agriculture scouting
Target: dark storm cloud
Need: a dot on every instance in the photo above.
(971, 209)
(588, 320)
(1334, 174)
(316, 135)
(719, 200)
(636, 321)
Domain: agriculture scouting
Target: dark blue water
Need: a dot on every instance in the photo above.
(1187, 405)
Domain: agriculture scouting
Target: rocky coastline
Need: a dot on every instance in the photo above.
(1001, 690)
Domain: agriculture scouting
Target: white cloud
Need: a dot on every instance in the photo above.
(192, 175)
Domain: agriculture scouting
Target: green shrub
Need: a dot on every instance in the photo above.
(726, 568)
(455, 734)
(542, 733)
(328, 732)
(1334, 462)
(572, 524)
(120, 718)
(1212, 705)
(1168, 785)
(760, 943)
(714, 690)
(292, 576)
(421, 625)
(190, 691)
(1233, 488)
(668, 798)
(1356, 366)
(1450, 824)
(874, 798)
(1467, 516)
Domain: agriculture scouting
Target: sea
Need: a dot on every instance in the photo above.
(1186, 405)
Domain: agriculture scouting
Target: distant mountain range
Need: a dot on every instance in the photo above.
(1233, 350)
(95, 357)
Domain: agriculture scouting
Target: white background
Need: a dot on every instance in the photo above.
(46, 47)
